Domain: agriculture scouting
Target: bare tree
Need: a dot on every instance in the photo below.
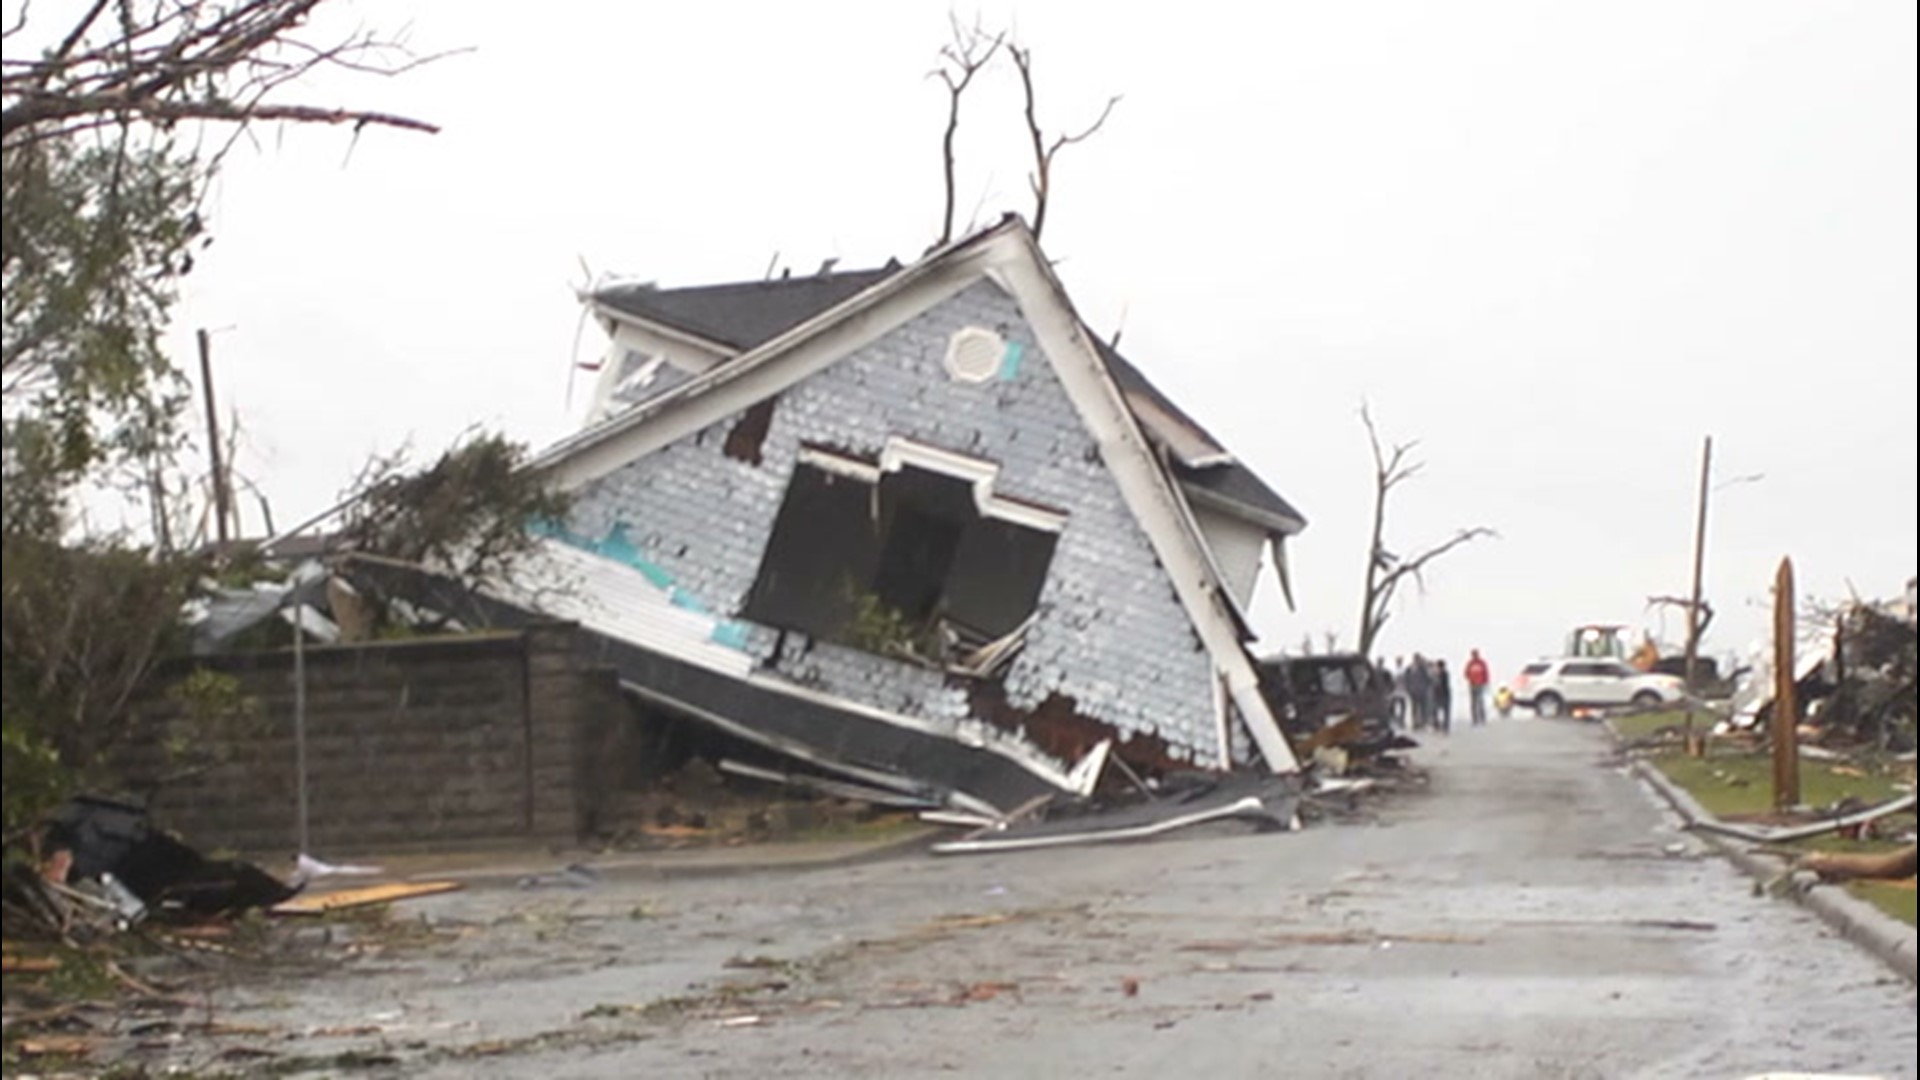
(1041, 179)
(960, 60)
(124, 62)
(1697, 628)
(1386, 571)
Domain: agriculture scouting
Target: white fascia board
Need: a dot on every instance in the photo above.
(976, 472)
(1022, 269)
(690, 356)
(1192, 446)
(902, 452)
(840, 465)
(1025, 515)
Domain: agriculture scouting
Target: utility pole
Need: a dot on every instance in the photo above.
(1693, 606)
(222, 510)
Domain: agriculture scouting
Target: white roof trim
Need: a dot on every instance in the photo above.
(1183, 440)
(977, 473)
(980, 473)
(839, 464)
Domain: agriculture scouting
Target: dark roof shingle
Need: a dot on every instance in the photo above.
(744, 314)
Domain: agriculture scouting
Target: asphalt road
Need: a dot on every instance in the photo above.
(1533, 915)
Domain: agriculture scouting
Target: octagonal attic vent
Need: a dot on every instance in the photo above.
(974, 354)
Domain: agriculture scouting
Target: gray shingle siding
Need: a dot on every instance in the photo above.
(1110, 634)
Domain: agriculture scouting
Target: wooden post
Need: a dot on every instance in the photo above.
(1695, 746)
(1786, 703)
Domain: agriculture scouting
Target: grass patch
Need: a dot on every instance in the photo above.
(882, 827)
(1643, 725)
(1733, 783)
(1896, 900)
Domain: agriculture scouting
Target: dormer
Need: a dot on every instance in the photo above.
(659, 338)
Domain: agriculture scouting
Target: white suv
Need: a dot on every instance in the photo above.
(1551, 687)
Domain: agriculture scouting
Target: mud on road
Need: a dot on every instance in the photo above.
(1532, 915)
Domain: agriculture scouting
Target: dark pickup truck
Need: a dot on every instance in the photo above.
(1309, 692)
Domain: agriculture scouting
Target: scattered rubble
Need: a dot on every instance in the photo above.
(1268, 803)
(1855, 678)
(104, 867)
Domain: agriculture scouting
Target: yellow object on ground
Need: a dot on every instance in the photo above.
(321, 903)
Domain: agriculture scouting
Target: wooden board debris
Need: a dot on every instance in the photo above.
(71, 1046)
(29, 965)
(342, 899)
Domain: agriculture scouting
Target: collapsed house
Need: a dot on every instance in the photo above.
(1854, 675)
(913, 529)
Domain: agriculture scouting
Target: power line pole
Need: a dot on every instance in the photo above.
(1693, 607)
(222, 510)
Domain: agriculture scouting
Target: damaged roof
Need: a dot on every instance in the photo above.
(1219, 477)
(744, 315)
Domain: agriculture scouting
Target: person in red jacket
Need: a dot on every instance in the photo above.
(1477, 687)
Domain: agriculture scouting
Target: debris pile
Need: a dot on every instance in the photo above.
(102, 868)
(1266, 803)
(1855, 679)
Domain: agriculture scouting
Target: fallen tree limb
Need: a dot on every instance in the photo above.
(1853, 866)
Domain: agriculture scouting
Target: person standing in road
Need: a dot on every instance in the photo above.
(1442, 697)
(1383, 683)
(1419, 686)
(1477, 679)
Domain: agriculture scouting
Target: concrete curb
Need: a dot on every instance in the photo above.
(1880, 934)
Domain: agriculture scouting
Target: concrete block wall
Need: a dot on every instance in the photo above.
(1111, 633)
(415, 744)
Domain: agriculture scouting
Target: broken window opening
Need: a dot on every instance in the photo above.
(904, 560)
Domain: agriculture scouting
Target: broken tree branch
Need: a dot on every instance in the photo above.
(1695, 629)
(123, 63)
(1041, 179)
(1856, 865)
(960, 60)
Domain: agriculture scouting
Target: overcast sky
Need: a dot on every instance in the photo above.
(1556, 243)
